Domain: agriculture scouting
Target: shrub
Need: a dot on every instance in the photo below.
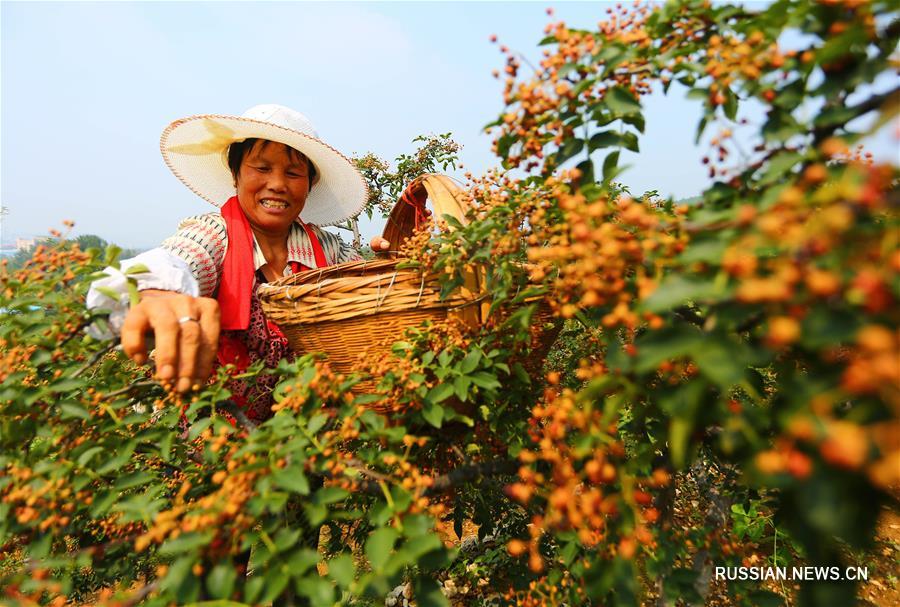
(747, 343)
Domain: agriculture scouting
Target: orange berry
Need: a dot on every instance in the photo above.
(642, 497)
(875, 338)
(519, 492)
(661, 477)
(627, 548)
(593, 470)
(815, 173)
(783, 330)
(834, 147)
(516, 548)
(847, 445)
(770, 462)
(822, 282)
(799, 465)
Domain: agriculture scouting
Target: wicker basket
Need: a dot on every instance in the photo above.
(361, 308)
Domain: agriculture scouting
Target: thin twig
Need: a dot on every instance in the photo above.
(231, 408)
(135, 386)
(94, 358)
(864, 107)
(358, 466)
(140, 594)
(76, 331)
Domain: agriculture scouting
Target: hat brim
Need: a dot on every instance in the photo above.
(196, 148)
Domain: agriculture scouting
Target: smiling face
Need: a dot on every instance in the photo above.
(272, 186)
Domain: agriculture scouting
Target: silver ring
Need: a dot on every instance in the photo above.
(185, 319)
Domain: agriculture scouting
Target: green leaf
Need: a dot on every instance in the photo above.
(667, 343)
(622, 102)
(85, 457)
(111, 293)
(779, 166)
(609, 166)
(731, 105)
(119, 460)
(677, 290)
(825, 327)
(701, 126)
(485, 380)
(286, 539)
(253, 588)
(470, 362)
(67, 385)
(316, 422)
(461, 387)
(722, 360)
(569, 149)
(706, 251)
(433, 413)
(341, 570)
(187, 542)
(330, 495)
(839, 115)
(220, 581)
(319, 591)
(682, 405)
(275, 583)
(439, 393)
(73, 410)
(428, 593)
(379, 546)
(293, 479)
(635, 120)
(698, 94)
(137, 268)
(135, 479)
(604, 139)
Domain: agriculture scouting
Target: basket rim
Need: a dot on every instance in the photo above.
(324, 276)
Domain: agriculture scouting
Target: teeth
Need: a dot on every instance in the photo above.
(273, 204)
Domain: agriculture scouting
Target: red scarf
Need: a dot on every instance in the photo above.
(236, 282)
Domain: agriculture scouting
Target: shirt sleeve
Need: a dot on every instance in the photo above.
(335, 249)
(163, 271)
(201, 241)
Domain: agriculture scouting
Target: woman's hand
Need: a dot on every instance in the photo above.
(379, 244)
(186, 332)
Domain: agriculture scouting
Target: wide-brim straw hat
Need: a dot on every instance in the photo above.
(196, 150)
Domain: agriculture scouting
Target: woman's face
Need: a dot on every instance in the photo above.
(272, 186)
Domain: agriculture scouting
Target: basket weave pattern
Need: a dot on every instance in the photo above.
(359, 309)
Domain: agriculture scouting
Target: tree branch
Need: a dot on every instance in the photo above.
(231, 408)
(465, 474)
(94, 358)
(133, 387)
(864, 107)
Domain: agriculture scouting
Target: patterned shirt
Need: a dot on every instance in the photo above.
(201, 241)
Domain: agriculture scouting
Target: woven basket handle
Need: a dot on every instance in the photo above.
(446, 198)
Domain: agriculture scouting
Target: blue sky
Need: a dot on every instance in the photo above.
(87, 88)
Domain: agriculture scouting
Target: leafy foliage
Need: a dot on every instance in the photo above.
(753, 334)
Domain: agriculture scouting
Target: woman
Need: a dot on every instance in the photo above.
(276, 182)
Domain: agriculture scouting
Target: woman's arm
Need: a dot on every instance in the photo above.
(185, 327)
